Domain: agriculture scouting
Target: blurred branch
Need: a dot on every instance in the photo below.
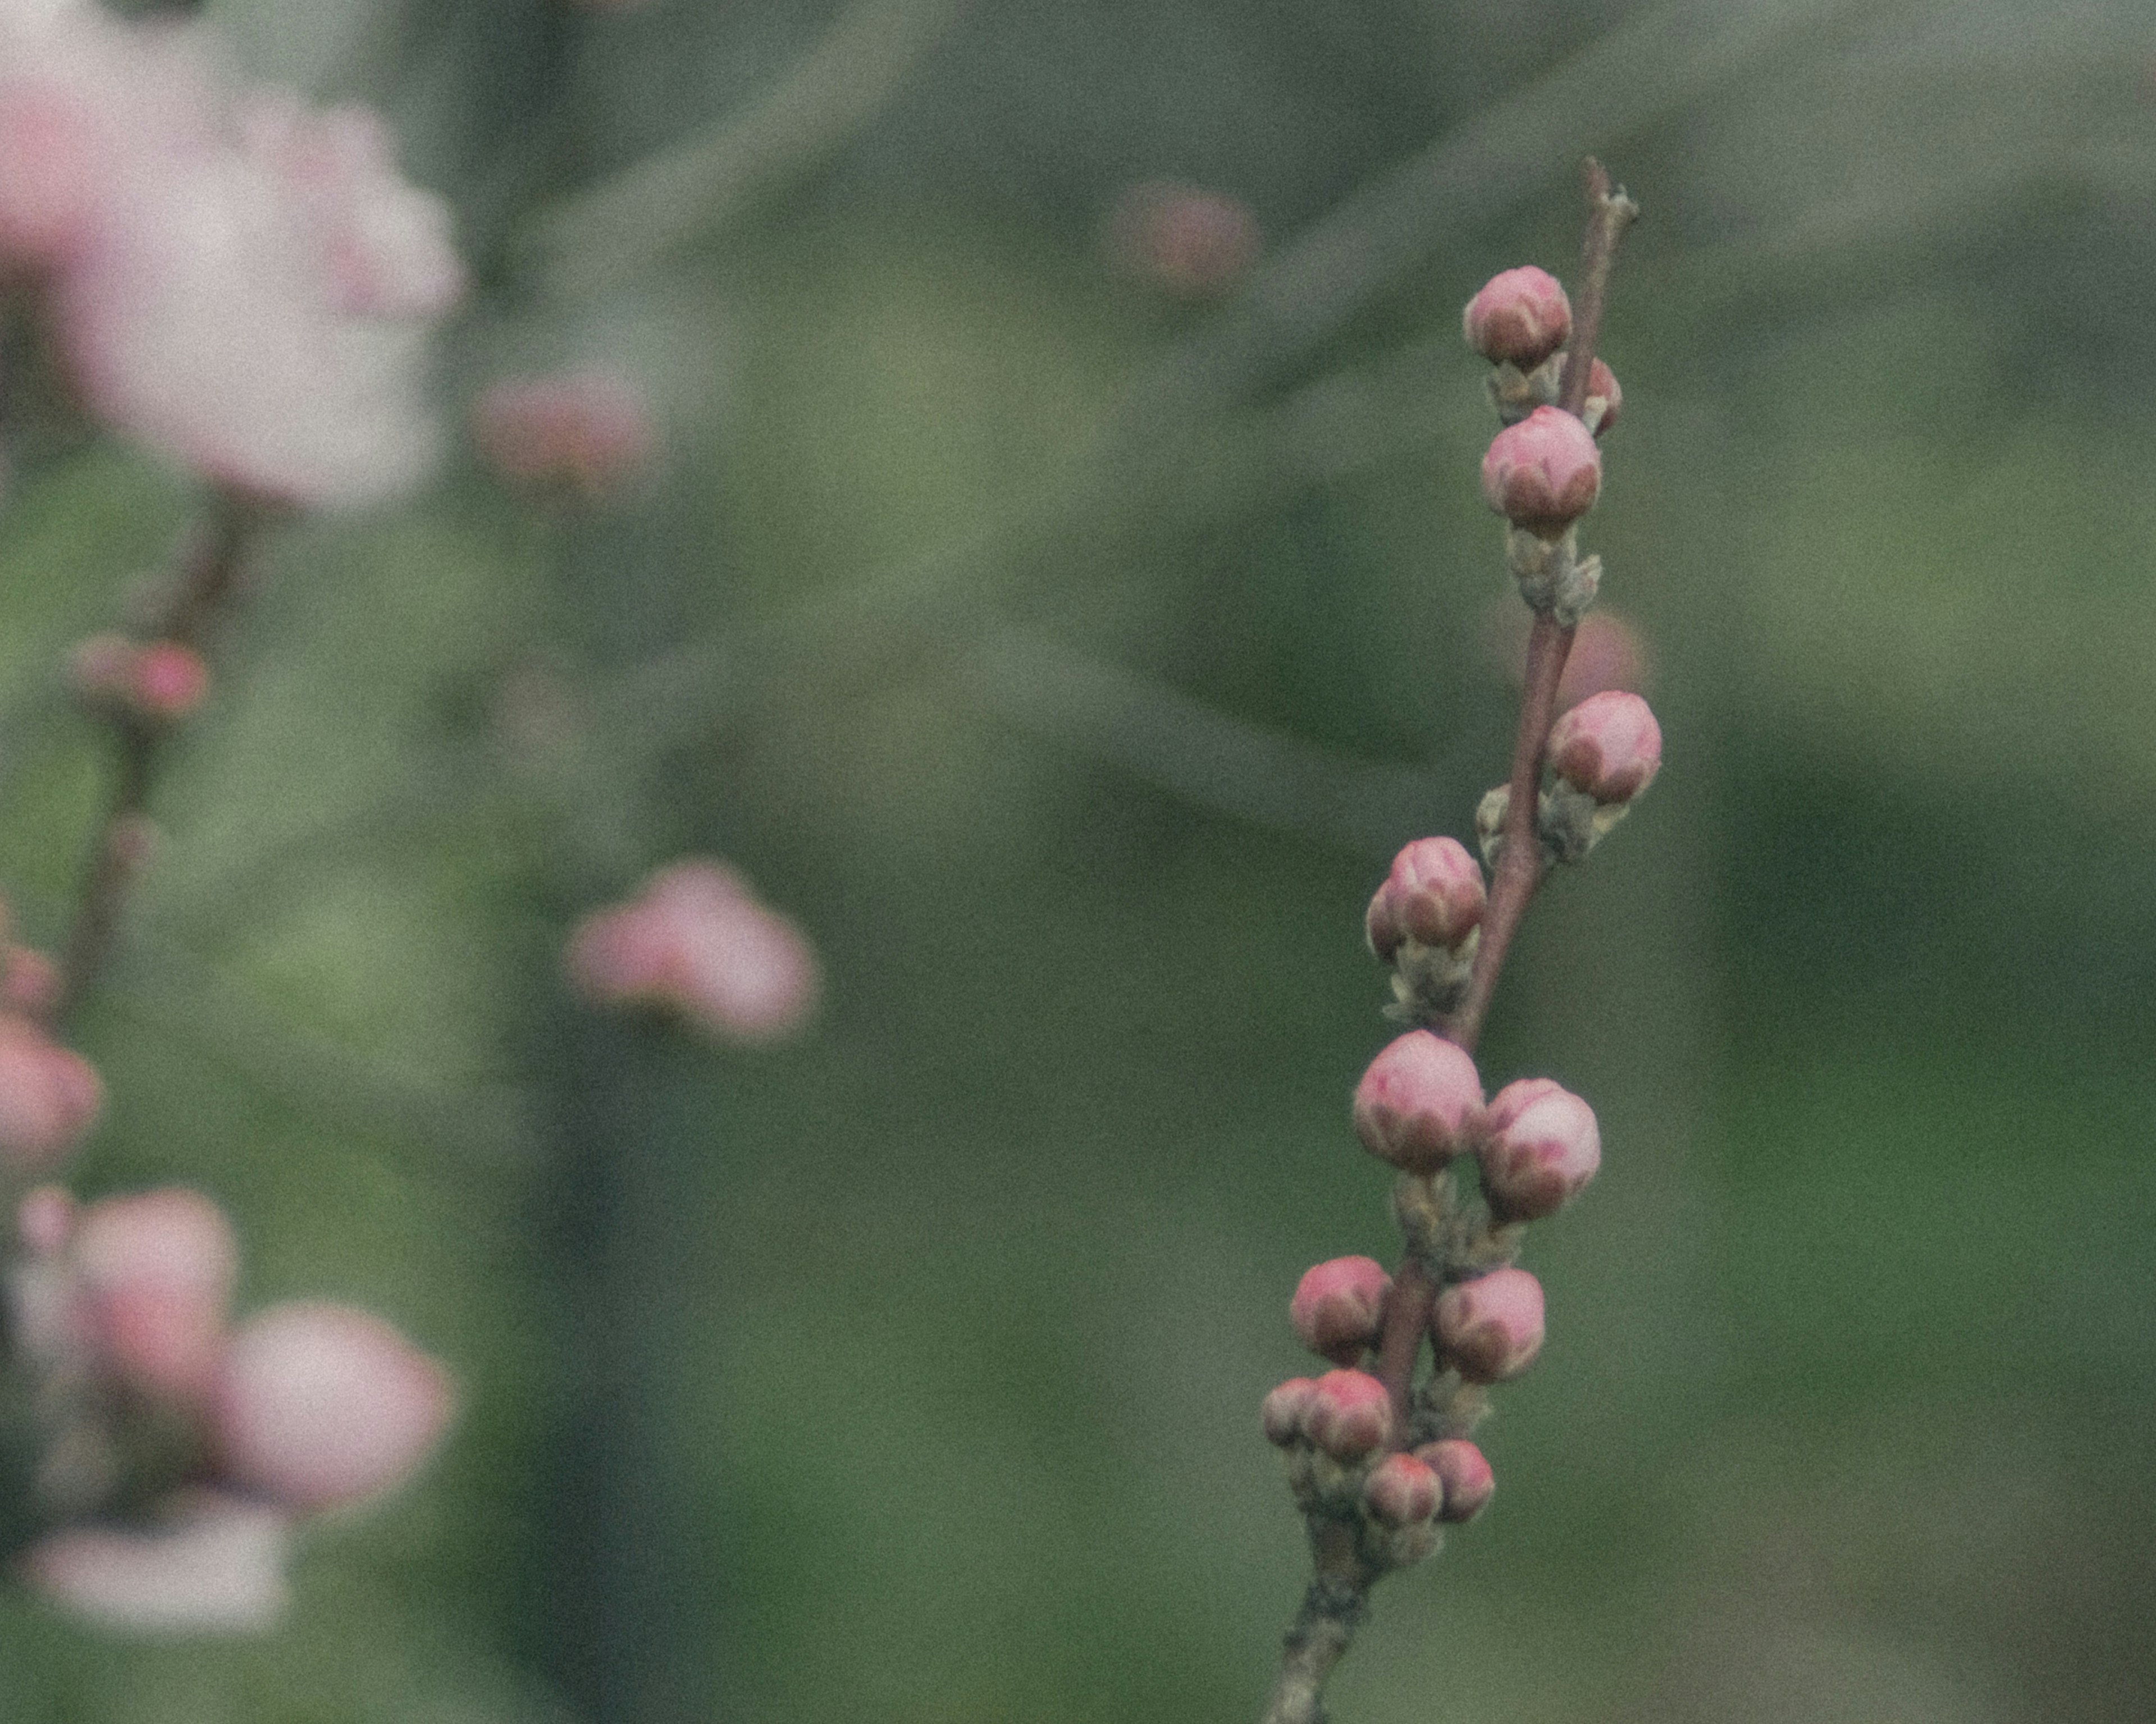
(1245, 771)
(600, 238)
(1638, 73)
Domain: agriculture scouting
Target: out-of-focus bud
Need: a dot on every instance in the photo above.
(1338, 1307)
(318, 1405)
(1194, 244)
(1609, 651)
(1418, 1103)
(1490, 1328)
(585, 432)
(1285, 1411)
(1540, 1147)
(162, 680)
(44, 1219)
(1609, 746)
(156, 1272)
(1521, 316)
(697, 941)
(1401, 1490)
(1349, 1415)
(216, 1566)
(1434, 895)
(1544, 473)
(1465, 1475)
(49, 1096)
(29, 981)
(1605, 399)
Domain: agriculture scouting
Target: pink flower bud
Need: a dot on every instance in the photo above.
(170, 680)
(1194, 244)
(1338, 1306)
(1609, 745)
(156, 1272)
(216, 1567)
(697, 941)
(1402, 1491)
(317, 1405)
(1465, 1475)
(1521, 315)
(49, 1096)
(1540, 1147)
(1285, 1410)
(1544, 472)
(1418, 1103)
(1603, 393)
(29, 981)
(1490, 1328)
(589, 432)
(1434, 895)
(1349, 1415)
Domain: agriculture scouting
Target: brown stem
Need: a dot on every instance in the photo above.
(1407, 1317)
(1608, 214)
(1324, 1628)
(206, 586)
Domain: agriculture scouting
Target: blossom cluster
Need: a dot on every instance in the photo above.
(217, 1439)
(239, 282)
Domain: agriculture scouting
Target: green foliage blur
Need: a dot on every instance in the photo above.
(1067, 657)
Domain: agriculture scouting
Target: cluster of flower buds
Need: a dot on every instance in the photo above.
(157, 683)
(697, 943)
(583, 434)
(1520, 322)
(182, 1451)
(241, 283)
(1602, 754)
(1425, 922)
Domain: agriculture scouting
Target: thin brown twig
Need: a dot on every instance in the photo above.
(1333, 1607)
(207, 584)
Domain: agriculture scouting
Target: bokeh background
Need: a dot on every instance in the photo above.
(1067, 654)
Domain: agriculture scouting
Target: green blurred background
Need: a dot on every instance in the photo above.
(1067, 657)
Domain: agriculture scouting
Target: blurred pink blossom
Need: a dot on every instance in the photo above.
(698, 941)
(584, 431)
(319, 1405)
(216, 1566)
(49, 1096)
(156, 1270)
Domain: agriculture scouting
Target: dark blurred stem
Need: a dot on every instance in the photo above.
(1326, 1626)
(207, 582)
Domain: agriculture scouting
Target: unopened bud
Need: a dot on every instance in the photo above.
(1434, 895)
(1540, 1147)
(1402, 1491)
(1544, 473)
(1465, 1476)
(1285, 1411)
(1189, 242)
(1338, 1307)
(1521, 317)
(49, 1096)
(1607, 746)
(1605, 399)
(163, 680)
(1490, 1328)
(585, 431)
(1349, 1415)
(1418, 1102)
(318, 1405)
(157, 1270)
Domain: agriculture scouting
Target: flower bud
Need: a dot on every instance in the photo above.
(1349, 1415)
(29, 981)
(1402, 1491)
(170, 680)
(157, 1270)
(1520, 315)
(1604, 398)
(1544, 472)
(1339, 1306)
(1490, 1328)
(1187, 241)
(216, 1566)
(49, 1096)
(1609, 746)
(1434, 895)
(585, 431)
(1285, 1411)
(1418, 1102)
(1465, 1476)
(1540, 1146)
(317, 1405)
